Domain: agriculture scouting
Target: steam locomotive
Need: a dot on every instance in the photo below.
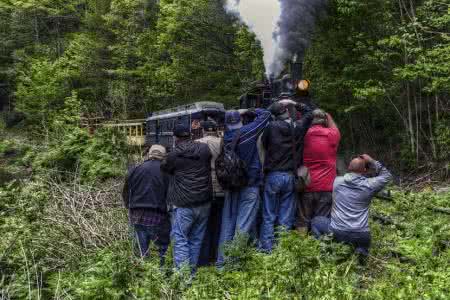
(159, 125)
(290, 86)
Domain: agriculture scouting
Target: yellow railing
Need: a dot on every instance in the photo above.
(133, 129)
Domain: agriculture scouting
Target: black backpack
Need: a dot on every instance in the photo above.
(231, 171)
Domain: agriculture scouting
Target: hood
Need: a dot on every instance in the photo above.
(188, 149)
(353, 177)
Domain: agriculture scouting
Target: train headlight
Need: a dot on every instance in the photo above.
(303, 85)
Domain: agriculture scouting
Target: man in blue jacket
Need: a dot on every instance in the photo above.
(144, 194)
(241, 207)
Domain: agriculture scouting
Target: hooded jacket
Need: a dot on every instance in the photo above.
(277, 142)
(189, 167)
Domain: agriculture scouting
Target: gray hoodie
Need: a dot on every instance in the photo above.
(352, 194)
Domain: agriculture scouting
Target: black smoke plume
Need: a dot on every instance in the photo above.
(295, 28)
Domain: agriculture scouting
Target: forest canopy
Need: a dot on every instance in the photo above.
(381, 67)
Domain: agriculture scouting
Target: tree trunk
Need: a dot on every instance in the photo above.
(36, 28)
(410, 124)
(430, 129)
(436, 98)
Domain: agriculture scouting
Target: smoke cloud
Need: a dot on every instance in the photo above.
(261, 16)
(284, 27)
(295, 28)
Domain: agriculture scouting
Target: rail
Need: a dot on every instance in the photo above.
(133, 129)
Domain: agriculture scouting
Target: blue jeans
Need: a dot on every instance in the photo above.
(239, 215)
(158, 234)
(188, 230)
(360, 240)
(278, 206)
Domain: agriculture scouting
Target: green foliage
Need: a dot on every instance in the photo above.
(382, 67)
(443, 140)
(407, 261)
(39, 91)
(105, 275)
(96, 158)
(104, 156)
(123, 58)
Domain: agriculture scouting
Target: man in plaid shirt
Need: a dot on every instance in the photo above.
(144, 194)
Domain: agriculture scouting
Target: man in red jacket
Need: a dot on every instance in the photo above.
(319, 156)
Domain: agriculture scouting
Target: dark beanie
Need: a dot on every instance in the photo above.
(209, 125)
(181, 130)
(279, 111)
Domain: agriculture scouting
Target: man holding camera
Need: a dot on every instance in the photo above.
(352, 195)
(319, 156)
(280, 140)
(241, 206)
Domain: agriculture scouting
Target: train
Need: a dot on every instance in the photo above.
(159, 125)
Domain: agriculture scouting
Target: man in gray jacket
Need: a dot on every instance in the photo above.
(212, 138)
(352, 195)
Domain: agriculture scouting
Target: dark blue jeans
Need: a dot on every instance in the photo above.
(278, 206)
(238, 216)
(360, 240)
(159, 235)
(188, 230)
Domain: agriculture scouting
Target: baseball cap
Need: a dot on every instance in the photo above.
(233, 119)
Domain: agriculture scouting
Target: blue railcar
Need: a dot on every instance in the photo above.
(160, 124)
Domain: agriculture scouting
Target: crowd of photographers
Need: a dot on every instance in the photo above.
(276, 171)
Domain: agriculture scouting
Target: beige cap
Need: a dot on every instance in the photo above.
(157, 152)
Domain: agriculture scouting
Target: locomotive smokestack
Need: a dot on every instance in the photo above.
(296, 69)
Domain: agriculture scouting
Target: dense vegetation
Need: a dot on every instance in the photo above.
(381, 67)
(384, 67)
(63, 239)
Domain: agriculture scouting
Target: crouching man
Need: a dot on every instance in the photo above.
(189, 167)
(144, 194)
(352, 195)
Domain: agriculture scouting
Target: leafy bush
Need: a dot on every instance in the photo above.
(104, 156)
(96, 158)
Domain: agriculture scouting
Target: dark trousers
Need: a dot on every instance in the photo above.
(210, 245)
(360, 240)
(311, 205)
(159, 235)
